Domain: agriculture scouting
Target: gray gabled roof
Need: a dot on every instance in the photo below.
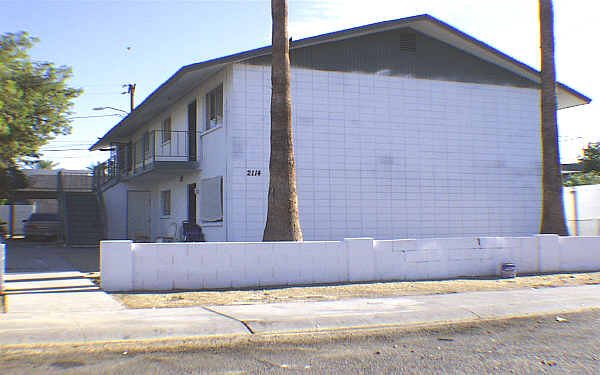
(190, 76)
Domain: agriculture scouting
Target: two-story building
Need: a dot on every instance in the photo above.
(402, 129)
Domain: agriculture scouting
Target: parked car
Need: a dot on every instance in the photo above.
(43, 225)
(3, 231)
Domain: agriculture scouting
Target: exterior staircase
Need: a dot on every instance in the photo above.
(82, 218)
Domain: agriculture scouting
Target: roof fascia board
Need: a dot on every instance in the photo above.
(458, 39)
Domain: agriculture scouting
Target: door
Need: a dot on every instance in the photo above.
(192, 203)
(192, 135)
(139, 216)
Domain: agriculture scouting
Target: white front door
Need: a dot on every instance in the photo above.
(138, 216)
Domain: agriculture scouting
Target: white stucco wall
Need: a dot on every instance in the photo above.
(389, 157)
(170, 225)
(212, 156)
(115, 204)
(585, 202)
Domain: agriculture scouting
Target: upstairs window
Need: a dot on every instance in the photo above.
(166, 130)
(214, 108)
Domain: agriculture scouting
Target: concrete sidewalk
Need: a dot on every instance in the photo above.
(56, 292)
(119, 324)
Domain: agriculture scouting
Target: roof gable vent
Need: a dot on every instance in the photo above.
(408, 42)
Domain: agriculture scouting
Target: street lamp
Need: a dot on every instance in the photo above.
(113, 108)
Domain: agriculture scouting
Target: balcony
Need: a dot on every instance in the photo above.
(153, 155)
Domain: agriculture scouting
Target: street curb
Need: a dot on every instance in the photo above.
(22, 329)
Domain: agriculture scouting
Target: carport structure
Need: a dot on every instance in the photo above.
(78, 205)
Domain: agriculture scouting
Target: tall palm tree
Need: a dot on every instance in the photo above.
(553, 217)
(283, 223)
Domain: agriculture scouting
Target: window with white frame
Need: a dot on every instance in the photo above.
(165, 203)
(211, 199)
(214, 108)
(166, 130)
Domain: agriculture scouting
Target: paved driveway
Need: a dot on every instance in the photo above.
(44, 277)
(23, 256)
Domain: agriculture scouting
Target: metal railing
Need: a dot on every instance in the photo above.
(105, 172)
(57, 180)
(142, 153)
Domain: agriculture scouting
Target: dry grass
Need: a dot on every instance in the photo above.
(334, 292)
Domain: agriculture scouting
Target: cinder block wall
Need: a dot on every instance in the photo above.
(172, 266)
(389, 157)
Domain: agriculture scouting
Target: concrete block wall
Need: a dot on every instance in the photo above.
(389, 157)
(445, 258)
(116, 265)
(167, 266)
(174, 266)
(579, 253)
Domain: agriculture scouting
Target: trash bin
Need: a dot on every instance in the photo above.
(509, 270)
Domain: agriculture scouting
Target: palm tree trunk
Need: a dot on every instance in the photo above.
(553, 218)
(283, 223)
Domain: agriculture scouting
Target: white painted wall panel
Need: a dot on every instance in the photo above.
(583, 201)
(212, 154)
(582, 254)
(390, 157)
(115, 204)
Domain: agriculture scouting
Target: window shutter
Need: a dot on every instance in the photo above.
(211, 199)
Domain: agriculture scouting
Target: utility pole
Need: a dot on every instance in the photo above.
(131, 91)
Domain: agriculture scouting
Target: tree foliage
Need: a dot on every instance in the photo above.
(583, 178)
(35, 103)
(35, 100)
(11, 178)
(44, 164)
(590, 162)
(591, 158)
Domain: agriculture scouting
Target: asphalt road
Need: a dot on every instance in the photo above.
(518, 346)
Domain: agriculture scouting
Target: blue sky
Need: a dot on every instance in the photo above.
(111, 43)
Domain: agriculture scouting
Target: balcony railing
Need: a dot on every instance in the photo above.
(148, 151)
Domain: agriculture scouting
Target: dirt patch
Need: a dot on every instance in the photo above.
(335, 292)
